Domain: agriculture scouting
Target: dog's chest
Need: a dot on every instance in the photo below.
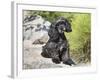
(62, 37)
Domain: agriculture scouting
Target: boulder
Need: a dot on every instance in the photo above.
(36, 29)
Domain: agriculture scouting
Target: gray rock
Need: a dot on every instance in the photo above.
(36, 29)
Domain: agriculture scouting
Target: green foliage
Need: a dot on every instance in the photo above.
(80, 37)
(81, 26)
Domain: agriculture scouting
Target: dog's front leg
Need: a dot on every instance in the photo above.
(55, 57)
(66, 58)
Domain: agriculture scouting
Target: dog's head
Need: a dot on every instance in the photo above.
(62, 25)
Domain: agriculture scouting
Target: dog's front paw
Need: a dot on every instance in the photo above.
(69, 62)
(56, 60)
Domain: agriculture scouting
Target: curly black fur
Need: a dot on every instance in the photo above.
(57, 46)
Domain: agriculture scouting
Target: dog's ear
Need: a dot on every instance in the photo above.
(53, 33)
(53, 25)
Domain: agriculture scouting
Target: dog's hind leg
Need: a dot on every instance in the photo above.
(45, 53)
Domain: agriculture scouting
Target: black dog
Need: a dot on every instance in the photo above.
(57, 46)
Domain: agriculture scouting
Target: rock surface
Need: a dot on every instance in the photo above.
(33, 59)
